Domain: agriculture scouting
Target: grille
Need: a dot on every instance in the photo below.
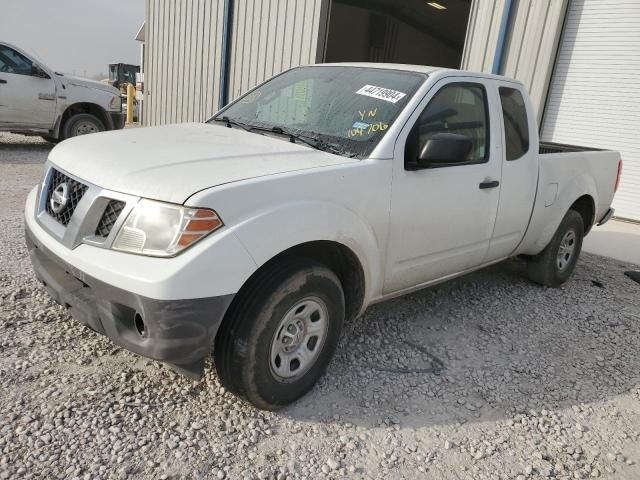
(109, 217)
(76, 191)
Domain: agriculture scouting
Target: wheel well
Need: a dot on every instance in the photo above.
(337, 257)
(344, 263)
(586, 208)
(91, 108)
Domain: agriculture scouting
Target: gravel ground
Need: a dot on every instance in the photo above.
(485, 377)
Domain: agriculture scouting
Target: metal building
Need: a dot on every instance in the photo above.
(577, 57)
(594, 97)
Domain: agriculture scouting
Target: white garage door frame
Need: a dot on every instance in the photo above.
(594, 95)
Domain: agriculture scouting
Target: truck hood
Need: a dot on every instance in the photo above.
(85, 82)
(171, 163)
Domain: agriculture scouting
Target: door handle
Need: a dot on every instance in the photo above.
(489, 184)
(3, 81)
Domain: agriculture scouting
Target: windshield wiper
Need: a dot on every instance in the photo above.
(309, 140)
(313, 142)
(235, 123)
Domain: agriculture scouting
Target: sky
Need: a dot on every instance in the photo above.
(78, 37)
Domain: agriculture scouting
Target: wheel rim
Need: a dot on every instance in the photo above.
(298, 340)
(84, 128)
(566, 250)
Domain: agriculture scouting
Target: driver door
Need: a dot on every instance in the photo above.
(26, 99)
(442, 217)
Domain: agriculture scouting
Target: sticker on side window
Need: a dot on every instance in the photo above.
(381, 93)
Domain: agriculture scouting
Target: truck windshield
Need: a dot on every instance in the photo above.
(348, 108)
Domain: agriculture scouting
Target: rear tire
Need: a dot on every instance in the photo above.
(82, 124)
(555, 264)
(280, 334)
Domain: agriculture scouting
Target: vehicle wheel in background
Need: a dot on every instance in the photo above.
(280, 335)
(82, 124)
(555, 264)
(51, 139)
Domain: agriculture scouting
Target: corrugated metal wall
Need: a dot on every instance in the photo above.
(270, 36)
(182, 65)
(184, 39)
(531, 45)
(594, 97)
(482, 35)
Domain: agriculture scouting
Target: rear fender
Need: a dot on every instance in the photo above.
(552, 204)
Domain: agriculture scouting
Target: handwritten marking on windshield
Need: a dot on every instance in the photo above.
(370, 114)
(359, 131)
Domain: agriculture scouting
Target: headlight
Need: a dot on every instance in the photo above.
(115, 103)
(163, 229)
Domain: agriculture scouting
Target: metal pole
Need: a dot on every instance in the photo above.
(498, 58)
(226, 53)
(131, 93)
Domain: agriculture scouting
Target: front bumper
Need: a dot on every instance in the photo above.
(607, 216)
(178, 332)
(117, 120)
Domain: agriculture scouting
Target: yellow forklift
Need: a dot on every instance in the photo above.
(122, 73)
(123, 77)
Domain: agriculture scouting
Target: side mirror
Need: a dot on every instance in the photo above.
(444, 148)
(36, 71)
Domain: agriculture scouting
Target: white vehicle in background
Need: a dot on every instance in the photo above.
(36, 100)
(324, 190)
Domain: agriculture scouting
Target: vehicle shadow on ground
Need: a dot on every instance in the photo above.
(484, 347)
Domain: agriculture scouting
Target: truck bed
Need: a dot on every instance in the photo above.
(549, 147)
(567, 172)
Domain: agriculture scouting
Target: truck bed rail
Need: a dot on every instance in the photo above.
(548, 147)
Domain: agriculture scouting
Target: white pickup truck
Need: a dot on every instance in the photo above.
(326, 189)
(35, 100)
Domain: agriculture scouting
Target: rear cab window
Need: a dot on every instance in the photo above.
(516, 123)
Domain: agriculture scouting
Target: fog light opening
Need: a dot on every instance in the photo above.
(139, 324)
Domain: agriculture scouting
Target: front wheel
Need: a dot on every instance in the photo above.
(82, 124)
(281, 333)
(555, 264)
(50, 139)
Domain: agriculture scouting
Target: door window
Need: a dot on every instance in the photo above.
(459, 108)
(14, 62)
(516, 124)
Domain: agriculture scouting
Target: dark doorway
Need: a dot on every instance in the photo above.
(398, 31)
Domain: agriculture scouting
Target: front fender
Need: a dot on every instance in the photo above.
(272, 231)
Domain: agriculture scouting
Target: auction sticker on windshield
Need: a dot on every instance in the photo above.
(381, 93)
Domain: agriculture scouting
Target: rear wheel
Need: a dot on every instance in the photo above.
(555, 264)
(280, 335)
(82, 124)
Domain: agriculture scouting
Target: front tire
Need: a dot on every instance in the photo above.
(555, 264)
(82, 124)
(281, 333)
(50, 139)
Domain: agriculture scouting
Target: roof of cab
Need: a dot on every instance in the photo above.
(426, 69)
(387, 66)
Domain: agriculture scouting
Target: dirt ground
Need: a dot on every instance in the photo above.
(485, 377)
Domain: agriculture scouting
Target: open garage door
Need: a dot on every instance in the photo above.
(594, 99)
(412, 31)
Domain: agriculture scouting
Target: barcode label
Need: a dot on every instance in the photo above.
(381, 93)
